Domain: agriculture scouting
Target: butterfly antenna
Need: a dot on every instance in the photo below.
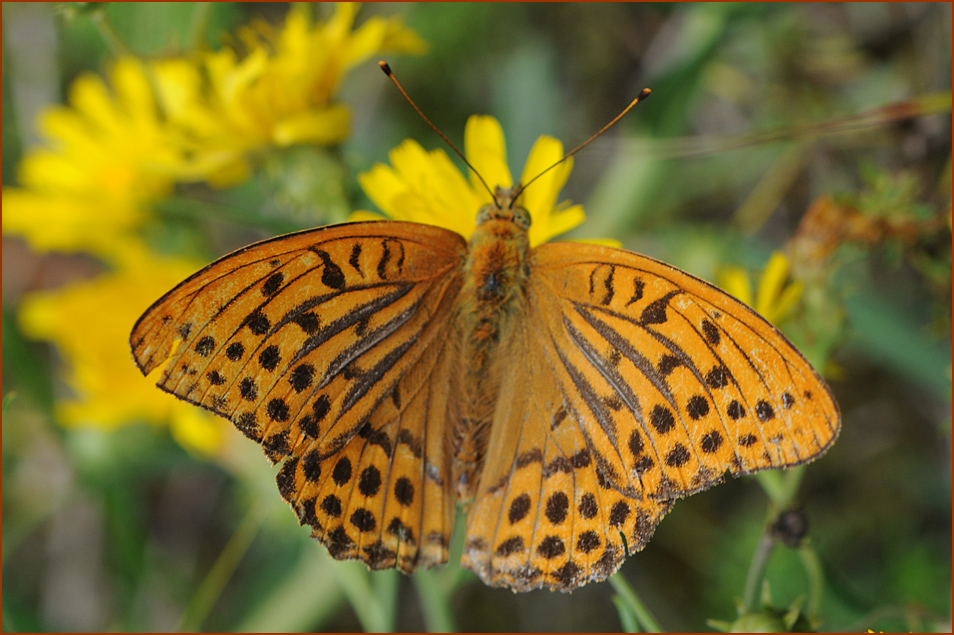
(643, 94)
(387, 71)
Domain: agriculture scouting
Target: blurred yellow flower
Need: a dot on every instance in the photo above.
(108, 158)
(89, 323)
(279, 94)
(117, 151)
(426, 187)
(775, 298)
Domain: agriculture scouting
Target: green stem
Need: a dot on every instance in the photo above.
(367, 601)
(756, 574)
(385, 585)
(816, 580)
(626, 617)
(199, 24)
(635, 606)
(211, 587)
(115, 45)
(435, 601)
(781, 488)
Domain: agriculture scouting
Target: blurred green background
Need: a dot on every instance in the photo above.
(757, 111)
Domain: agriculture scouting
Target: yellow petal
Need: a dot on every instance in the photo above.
(735, 281)
(771, 283)
(541, 195)
(178, 83)
(325, 126)
(65, 223)
(90, 98)
(195, 430)
(134, 94)
(545, 152)
(361, 216)
(786, 302)
(364, 42)
(384, 187)
(342, 20)
(486, 151)
(401, 39)
(555, 224)
(83, 320)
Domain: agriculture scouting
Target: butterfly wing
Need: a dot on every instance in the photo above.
(315, 344)
(653, 384)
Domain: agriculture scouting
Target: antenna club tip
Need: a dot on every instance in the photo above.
(644, 93)
(385, 67)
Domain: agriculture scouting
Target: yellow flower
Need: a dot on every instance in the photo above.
(89, 322)
(279, 94)
(107, 160)
(426, 187)
(774, 299)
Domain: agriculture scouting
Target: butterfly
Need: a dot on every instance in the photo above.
(566, 394)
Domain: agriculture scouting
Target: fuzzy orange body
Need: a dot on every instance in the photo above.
(495, 276)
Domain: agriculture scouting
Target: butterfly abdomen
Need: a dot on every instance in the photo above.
(492, 294)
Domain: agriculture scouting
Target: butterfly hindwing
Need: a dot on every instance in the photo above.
(383, 498)
(543, 515)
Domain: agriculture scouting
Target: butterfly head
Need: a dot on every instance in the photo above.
(505, 207)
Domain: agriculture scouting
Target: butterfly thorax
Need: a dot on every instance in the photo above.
(492, 294)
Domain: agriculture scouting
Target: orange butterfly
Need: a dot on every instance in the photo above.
(566, 393)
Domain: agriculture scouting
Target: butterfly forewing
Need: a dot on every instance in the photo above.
(303, 341)
(674, 381)
(301, 334)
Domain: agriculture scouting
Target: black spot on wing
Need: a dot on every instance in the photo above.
(273, 284)
(388, 248)
(710, 332)
(331, 274)
(205, 346)
(655, 313)
(235, 351)
(269, 358)
(257, 323)
(638, 287)
(354, 261)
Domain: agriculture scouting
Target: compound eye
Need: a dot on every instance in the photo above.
(521, 216)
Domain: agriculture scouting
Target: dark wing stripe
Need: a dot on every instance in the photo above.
(361, 386)
(610, 374)
(423, 336)
(621, 344)
(362, 345)
(675, 350)
(593, 402)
